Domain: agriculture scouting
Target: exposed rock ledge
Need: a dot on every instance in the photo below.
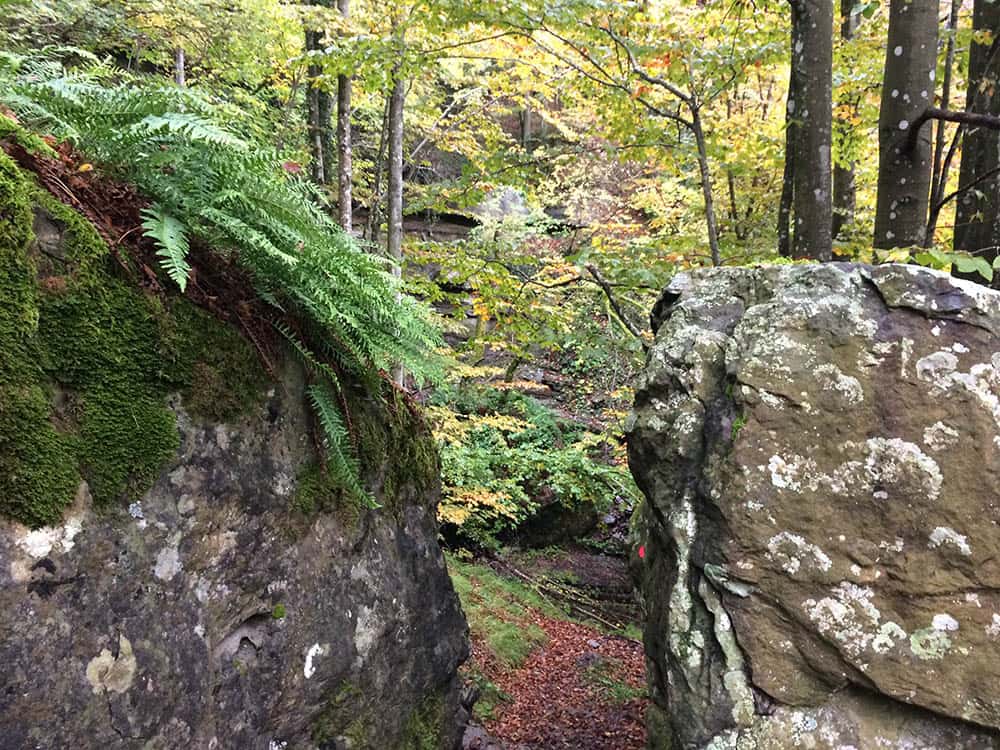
(820, 451)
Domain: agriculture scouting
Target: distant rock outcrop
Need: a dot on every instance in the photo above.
(208, 588)
(819, 552)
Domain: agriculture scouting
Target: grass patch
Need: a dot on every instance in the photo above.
(602, 675)
(499, 611)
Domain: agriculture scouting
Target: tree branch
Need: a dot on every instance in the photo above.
(965, 118)
(613, 301)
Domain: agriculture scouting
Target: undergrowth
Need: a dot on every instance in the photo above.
(505, 455)
(499, 611)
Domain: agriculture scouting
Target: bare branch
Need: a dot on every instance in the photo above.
(612, 300)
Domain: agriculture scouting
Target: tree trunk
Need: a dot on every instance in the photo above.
(844, 185)
(812, 63)
(788, 177)
(371, 230)
(313, 122)
(394, 201)
(179, 73)
(706, 185)
(905, 157)
(977, 216)
(939, 169)
(320, 111)
(345, 172)
(394, 198)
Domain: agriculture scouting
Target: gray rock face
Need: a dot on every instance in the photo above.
(819, 447)
(210, 614)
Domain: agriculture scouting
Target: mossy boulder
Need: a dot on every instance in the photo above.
(87, 361)
(164, 582)
(819, 447)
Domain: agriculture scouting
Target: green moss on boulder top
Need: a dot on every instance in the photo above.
(87, 361)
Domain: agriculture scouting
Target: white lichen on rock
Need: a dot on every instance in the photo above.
(946, 535)
(111, 673)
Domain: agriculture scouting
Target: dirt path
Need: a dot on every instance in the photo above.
(583, 690)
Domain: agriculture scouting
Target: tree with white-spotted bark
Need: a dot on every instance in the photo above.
(905, 152)
(977, 218)
(811, 109)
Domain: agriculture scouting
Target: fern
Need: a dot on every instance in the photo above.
(170, 236)
(211, 181)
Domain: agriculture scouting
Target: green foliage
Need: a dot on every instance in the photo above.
(503, 455)
(491, 697)
(603, 676)
(235, 197)
(963, 262)
(171, 239)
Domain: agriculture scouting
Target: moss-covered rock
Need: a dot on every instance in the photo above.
(210, 613)
(87, 361)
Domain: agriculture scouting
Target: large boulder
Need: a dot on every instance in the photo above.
(176, 570)
(818, 552)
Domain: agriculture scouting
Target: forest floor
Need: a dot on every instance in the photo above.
(548, 680)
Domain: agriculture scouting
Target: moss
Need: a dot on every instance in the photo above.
(279, 612)
(395, 447)
(317, 491)
(37, 464)
(347, 715)
(219, 371)
(396, 453)
(10, 130)
(87, 362)
(423, 729)
(341, 717)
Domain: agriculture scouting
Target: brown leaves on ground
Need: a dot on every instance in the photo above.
(581, 691)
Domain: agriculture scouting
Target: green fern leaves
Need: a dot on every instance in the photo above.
(170, 236)
(207, 181)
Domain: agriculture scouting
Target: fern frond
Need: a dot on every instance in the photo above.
(170, 236)
(341, 464)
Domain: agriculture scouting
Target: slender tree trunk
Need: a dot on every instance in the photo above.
(526, 128)
(179, 72)
(977, 219)
(844, 185)
(706, 184)
(904, 156)
(345, 171)
(371, 230)
(788, 176)
(812, 61)
(180, 77)
(320, 111)
(394, 199)
(313, 116)
(939, 168)
(734, 213)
